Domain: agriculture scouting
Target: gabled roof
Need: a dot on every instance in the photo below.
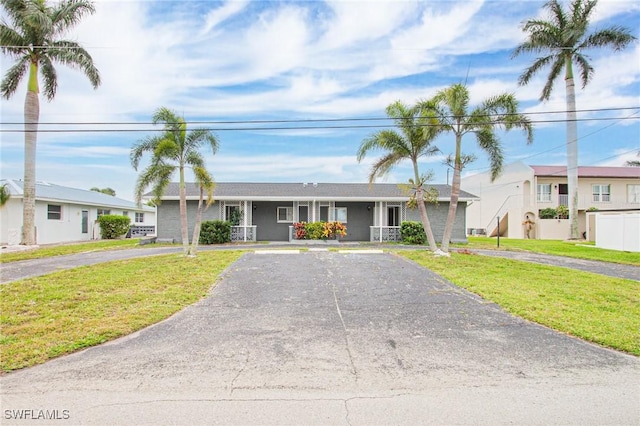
(306, 192)
(50, 192)
(608, 172)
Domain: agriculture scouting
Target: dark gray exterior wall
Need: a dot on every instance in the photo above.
(265, 217)
(438, 218)
(359, 219)
(168, 215)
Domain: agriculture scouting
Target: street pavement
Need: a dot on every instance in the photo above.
(324, 337)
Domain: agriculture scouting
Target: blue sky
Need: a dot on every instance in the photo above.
(242, 61)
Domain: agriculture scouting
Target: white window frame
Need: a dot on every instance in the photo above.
(542, 195)
(139, 217)
(339, 214)
(288, 214)
(58, 213)
(599, 196)
(103, 212)
(633, 194)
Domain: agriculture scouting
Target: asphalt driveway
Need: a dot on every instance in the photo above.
(333, 338)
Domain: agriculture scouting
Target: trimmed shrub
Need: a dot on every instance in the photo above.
(113, 226)
(315, 230)
(413, 233)
(548, 213)
(215, 232)
(300, 230)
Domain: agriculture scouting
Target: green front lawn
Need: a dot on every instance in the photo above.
(73, 248)
(45, 317)
(600, 309)
(580, 250)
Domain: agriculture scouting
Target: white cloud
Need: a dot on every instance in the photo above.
(222, 13)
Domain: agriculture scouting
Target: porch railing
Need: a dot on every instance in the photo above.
(384, 234)
(563, 200)
(243, 233)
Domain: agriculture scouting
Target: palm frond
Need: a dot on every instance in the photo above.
(490, 144)
(49, 76)
(13, 77)
(556, 70)
(75, 56)
(69, 13)
(141, 147)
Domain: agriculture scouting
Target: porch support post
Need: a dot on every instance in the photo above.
(244, 219)
(380, 222)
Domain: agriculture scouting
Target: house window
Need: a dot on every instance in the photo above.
(340, 214)
(139, 217)
(393, 216)
(544, 192)
(285, 214)
(233, 214)
(125, 213)
(54, 212)
(102, 212)
(601, 193)
(633, 194)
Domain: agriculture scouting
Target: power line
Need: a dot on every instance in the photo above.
(267, 128)
(321, 120)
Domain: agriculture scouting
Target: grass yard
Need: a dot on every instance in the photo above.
(45, 317)
(593, 307)
(579, 250)
(62, 249)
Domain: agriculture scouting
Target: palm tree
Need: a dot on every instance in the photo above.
(205, 183)
(5, 194)
(413, 142)
(33, 39)
(562, 41)
(174, 149)
(450, 107)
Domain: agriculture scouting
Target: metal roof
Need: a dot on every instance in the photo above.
(609, 172)
(306, 191)
(51, 192)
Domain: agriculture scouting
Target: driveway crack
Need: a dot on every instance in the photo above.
(354, 370)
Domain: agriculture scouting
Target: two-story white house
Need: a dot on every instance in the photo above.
(522, 192)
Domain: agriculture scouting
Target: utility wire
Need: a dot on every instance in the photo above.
(267, 128)
(324, 120)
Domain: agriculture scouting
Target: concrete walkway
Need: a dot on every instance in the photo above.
(333, 338)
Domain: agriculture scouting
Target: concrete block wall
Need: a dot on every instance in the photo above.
(438, 218)
(169, 218)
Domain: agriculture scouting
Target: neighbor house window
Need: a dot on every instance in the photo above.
(601, 193)
(633, 193)
(54, 212)
(285, 214)
(125, 213)
(139, 217)
(544, 192)
(102, 212)
(340, 214)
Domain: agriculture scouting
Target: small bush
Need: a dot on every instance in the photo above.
(215, 232)
(548, 213)
(300, 230)
(315, 230)
(563, 212)
(113, 226)
(413, 233)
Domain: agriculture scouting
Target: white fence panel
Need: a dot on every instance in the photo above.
(618, 232)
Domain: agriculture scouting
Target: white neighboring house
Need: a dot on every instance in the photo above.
(523, 191)
(66, 214)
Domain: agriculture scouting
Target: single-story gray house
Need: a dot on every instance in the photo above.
(269, 210)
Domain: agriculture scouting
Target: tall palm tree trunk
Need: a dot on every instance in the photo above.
(195, 239)
(31, 118)
(422, 208)
(183, 213)
(455, 194)
(572, 153)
